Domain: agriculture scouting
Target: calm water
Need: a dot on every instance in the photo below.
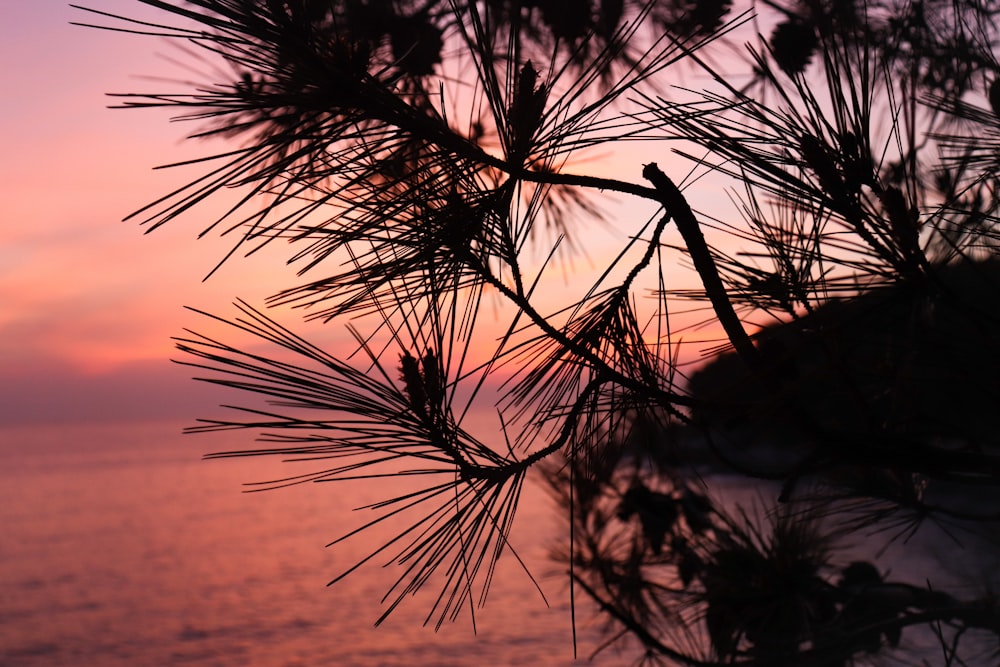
(121, 547)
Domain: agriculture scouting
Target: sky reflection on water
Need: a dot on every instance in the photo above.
(122, 547)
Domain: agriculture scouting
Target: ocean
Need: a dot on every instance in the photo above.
(121, 546)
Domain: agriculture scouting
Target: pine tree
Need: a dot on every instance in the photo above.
(427, 161)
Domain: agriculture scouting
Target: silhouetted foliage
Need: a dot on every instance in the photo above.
(423, 161)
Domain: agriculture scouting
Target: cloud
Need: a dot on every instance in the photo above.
(56, 393)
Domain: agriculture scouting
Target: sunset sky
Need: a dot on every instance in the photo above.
(88, 303)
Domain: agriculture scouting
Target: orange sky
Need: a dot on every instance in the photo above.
(88, 303)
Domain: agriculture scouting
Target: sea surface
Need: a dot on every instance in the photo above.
(119, 545)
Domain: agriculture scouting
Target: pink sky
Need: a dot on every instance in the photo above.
(88, 303)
